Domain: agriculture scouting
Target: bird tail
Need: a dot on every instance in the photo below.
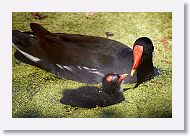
(38, 29)
(25, 42)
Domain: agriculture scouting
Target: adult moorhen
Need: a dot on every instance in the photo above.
(90, 97)
(85, 58)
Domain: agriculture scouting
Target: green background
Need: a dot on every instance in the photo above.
(37, 93)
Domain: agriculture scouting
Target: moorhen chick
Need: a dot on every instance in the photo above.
(90, 97)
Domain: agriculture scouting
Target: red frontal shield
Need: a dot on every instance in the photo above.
(137, 55)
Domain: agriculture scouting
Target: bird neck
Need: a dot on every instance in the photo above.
(145, 70)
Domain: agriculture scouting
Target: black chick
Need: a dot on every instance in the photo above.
(90, 97)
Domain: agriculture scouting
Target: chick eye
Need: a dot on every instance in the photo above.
(115, 77)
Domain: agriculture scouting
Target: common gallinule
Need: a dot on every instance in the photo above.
(85, 58)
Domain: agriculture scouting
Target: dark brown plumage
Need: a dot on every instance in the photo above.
(83, 58)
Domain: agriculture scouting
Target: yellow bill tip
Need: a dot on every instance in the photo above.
(125, 75)
(132, 72)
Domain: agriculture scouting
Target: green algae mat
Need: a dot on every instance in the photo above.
(37, 93)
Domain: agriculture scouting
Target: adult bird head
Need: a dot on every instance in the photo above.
(142, 49)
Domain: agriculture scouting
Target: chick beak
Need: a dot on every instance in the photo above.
(137, 55)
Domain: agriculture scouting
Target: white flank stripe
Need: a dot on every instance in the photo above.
(65, 67)
(79, 67)
(98, 73)
(68, 68)
(31, 35)
(30, 57)
(86, 68)
(93, 69)
(59, 66)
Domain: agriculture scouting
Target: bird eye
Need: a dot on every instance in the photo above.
(115, 77)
